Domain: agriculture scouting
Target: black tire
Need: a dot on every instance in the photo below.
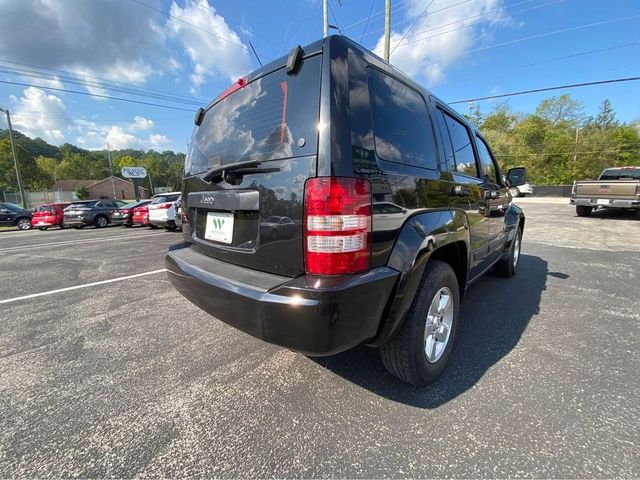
(101, 221)
(507, 267)
(170, 228)
(64, 226)
(404, 355)
(514, 192)
(78, 227)
(152, 226)
(583, 210)
(43, 228)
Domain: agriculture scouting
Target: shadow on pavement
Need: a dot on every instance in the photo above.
(614, 214)
(494, 314)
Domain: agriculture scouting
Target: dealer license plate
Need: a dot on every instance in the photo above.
(219, 227)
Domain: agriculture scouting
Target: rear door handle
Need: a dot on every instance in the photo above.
(460, 191)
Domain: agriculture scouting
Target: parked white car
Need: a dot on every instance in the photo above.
(162, 210)
(518, 184)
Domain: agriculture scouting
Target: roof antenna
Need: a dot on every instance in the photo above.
(255, 53)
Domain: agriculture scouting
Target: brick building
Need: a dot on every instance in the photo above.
(100, 188)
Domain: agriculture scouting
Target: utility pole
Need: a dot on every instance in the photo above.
(113, 185)
(387, 28)
(325, 17)
(15, 158)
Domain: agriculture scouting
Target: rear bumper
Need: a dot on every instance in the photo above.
(612, 203)
(162, 223)
(310, 314)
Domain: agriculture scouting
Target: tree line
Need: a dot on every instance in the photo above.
(558, 143)
(42, 164)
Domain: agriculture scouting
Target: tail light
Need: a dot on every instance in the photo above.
(337, 225)
(164, 206)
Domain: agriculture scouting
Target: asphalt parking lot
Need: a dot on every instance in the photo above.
(127, 378)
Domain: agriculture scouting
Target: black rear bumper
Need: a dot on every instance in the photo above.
(310, 314)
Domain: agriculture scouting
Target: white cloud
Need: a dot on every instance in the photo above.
(221, 54)
(38, 114)
(156, 140)
(141, 123)
(447, 43)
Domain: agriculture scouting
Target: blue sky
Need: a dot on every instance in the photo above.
(459, 48)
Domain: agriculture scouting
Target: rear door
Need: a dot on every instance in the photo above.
(469, 193)
(271, 119)
(498, 201)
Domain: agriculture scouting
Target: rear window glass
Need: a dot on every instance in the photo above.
(620, 174)
(165, 198)
(401, 125)
(84, 204)
(273, 117)
(462, 147)
(44, 209)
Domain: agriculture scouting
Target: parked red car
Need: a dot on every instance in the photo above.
(49, 215)
(140, 216)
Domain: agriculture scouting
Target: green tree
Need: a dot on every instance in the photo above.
(562, 109)
(82, 193)
(606, 117)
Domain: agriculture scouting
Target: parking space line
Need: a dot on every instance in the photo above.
(80, 242)
(86, 285)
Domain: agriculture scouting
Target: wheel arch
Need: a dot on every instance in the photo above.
(441, 235)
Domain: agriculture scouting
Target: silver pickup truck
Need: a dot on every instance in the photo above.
(617, 187)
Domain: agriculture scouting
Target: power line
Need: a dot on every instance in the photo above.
(243, 47)
(373, 2)
(424, 12)
(88, 94)
(22, 72)
(334, 17)
(454, 22)
(104, 83)
(547, 89)
(397, 7)
(467, 25)
(555, 59)
(545, 34)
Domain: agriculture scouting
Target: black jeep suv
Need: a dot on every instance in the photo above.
(321, 137)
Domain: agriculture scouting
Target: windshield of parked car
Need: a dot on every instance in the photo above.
(272, 117)
(11, 206)
(620, 174)
(165, 198)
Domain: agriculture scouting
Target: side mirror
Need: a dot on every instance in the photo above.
(517, 176)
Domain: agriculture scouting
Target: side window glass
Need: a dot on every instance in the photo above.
(465, 159)
(488, 169)
(401, 125)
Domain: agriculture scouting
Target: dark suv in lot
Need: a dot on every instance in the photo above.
(13, 215)
(90, 212)
(331, 137)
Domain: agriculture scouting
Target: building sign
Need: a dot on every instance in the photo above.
(133, 172)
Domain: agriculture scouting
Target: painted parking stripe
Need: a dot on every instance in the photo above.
(86, 285)
(81, 242)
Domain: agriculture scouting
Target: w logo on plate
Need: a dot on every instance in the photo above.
(218, 223)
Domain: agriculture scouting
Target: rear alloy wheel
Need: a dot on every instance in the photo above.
(514, 192)
(419, 352)
(24, 224)
(101, 221)
(507, 267)
(583, 210)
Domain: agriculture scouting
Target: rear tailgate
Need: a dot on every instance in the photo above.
(253, 216)
(615, 189)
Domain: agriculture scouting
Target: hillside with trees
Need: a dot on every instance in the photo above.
(43, 164)
(557, 143)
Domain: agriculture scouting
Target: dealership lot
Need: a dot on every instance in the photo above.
(127, 378)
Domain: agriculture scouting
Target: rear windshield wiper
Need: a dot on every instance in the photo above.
(236, 170)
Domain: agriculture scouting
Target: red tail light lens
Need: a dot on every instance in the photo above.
(337, 225)
(164, 206)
